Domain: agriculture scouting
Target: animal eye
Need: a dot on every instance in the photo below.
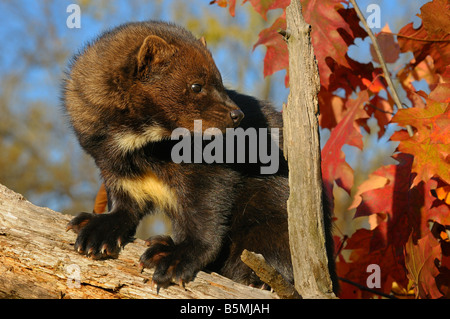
(197, 88)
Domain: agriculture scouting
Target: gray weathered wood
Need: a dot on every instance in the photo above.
(269, 275)
(302, 149)
(37, 260)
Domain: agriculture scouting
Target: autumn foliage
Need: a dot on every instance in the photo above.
(406, 205)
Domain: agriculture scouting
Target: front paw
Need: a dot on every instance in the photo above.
(169, 260)
(101, 235)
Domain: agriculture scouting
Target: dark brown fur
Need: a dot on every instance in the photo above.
(124, 95)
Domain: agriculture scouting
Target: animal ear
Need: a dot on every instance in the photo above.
(154, 50)
(203, 41)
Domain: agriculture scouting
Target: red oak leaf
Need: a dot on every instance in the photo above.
(430, 143)
(277, 56)
(361, 256)
(355, 75)
(382, 110)
(420, 259)
(402, 214)
(333, 29)
(376, 85)
(334, 166)
(424, 70)
(389, 48)
(332, 108)
(387, 193)
(437, 201)
(441, 93)
(432, 37)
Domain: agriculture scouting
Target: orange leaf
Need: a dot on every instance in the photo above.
(224, 3)
(390, 50)
(420, 262)
(101, 201)
(429, 145)
(432, 37)
(442, 193)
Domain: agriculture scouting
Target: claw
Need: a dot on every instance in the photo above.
(153, 284)
(181, 284)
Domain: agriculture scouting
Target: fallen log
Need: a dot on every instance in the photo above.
(37, 260)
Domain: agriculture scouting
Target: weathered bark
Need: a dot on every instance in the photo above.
(269, 275)
(302, 149)
(37, 260)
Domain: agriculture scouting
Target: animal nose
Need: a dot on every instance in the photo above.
(236, 116)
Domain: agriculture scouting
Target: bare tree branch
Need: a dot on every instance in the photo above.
(382, 62)
(269, 275)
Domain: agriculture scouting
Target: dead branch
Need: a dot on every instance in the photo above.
(269, 275)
